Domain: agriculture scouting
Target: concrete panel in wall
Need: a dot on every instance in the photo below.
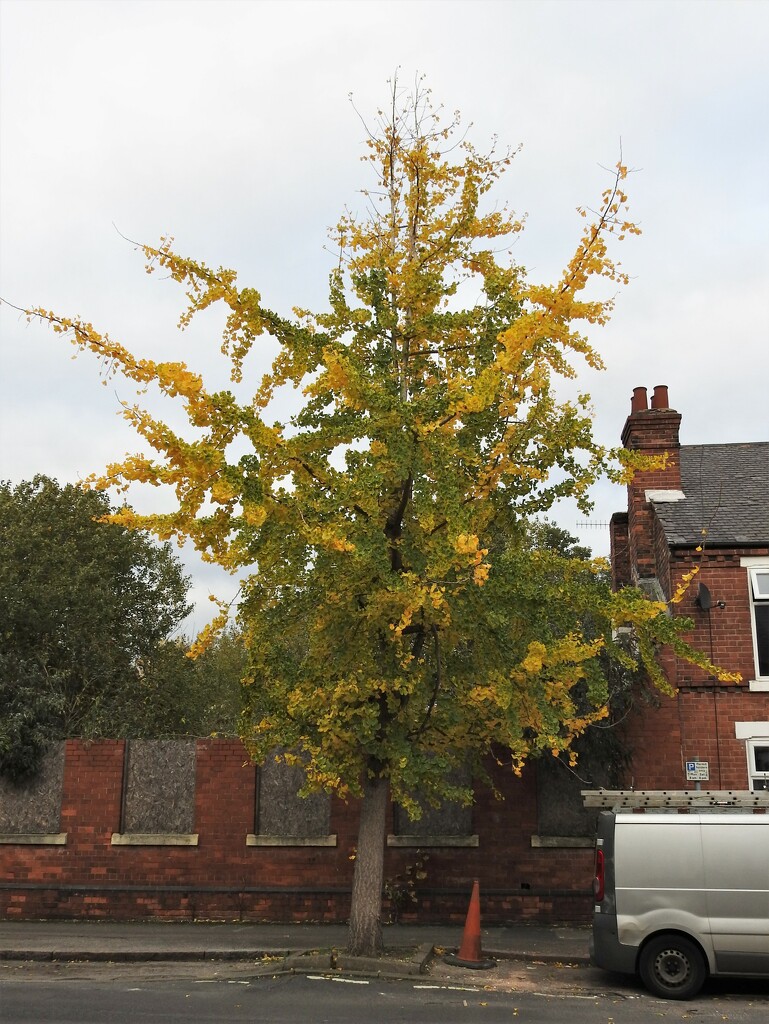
(450, 819)
(280, 811)
(159, 787)
(34, 806)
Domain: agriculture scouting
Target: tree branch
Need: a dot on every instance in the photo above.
(436, 685)
(394, 524)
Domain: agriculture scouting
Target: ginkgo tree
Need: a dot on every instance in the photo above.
(398, 622)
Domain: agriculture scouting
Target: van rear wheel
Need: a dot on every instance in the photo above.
(672, 967)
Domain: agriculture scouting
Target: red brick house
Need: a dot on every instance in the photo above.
(708, 509)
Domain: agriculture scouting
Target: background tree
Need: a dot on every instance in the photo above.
(180, 696)
(84, 608)
(391, 635)
(88, 613)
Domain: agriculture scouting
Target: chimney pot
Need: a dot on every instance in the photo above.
(660, 397)
(639, 401)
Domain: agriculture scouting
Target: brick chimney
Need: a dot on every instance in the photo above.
(651, 428)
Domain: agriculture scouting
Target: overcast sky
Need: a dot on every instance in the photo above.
(228, 126)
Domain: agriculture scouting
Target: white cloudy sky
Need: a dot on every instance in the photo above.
(228, 125)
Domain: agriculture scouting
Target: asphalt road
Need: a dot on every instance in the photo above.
(71, 997)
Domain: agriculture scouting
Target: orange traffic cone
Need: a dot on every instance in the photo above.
(470, 954)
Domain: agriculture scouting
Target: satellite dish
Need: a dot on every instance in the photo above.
(703, 598)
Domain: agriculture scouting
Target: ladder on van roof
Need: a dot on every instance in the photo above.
(676, 799)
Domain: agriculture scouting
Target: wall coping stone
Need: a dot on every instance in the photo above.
(259, 840)
(432, 841)
(561, 842)
(33, 838)
(154, 839)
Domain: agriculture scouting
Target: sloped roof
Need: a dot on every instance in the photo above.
(726, 488)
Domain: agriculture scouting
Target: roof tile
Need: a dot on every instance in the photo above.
(727, 495)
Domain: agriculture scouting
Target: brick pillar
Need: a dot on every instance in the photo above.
(92, 790)
(620, 551)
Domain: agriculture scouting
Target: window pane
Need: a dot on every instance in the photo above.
(761, 756)
(760, 579)
(761, 611)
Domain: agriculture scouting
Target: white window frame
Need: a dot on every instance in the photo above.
(755, 734)
(756, 566)
(754, 775)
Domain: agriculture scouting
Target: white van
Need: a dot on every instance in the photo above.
(681, 896)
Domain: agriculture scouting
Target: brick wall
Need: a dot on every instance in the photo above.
(697, 725)
(222, 878)
(723, 633)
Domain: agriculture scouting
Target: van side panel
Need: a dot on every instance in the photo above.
(736, 858)
(659, 872)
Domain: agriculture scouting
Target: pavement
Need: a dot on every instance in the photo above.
(289, 947)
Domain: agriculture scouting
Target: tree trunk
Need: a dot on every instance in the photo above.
(366, 910)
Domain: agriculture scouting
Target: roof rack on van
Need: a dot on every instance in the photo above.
(701, 799)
